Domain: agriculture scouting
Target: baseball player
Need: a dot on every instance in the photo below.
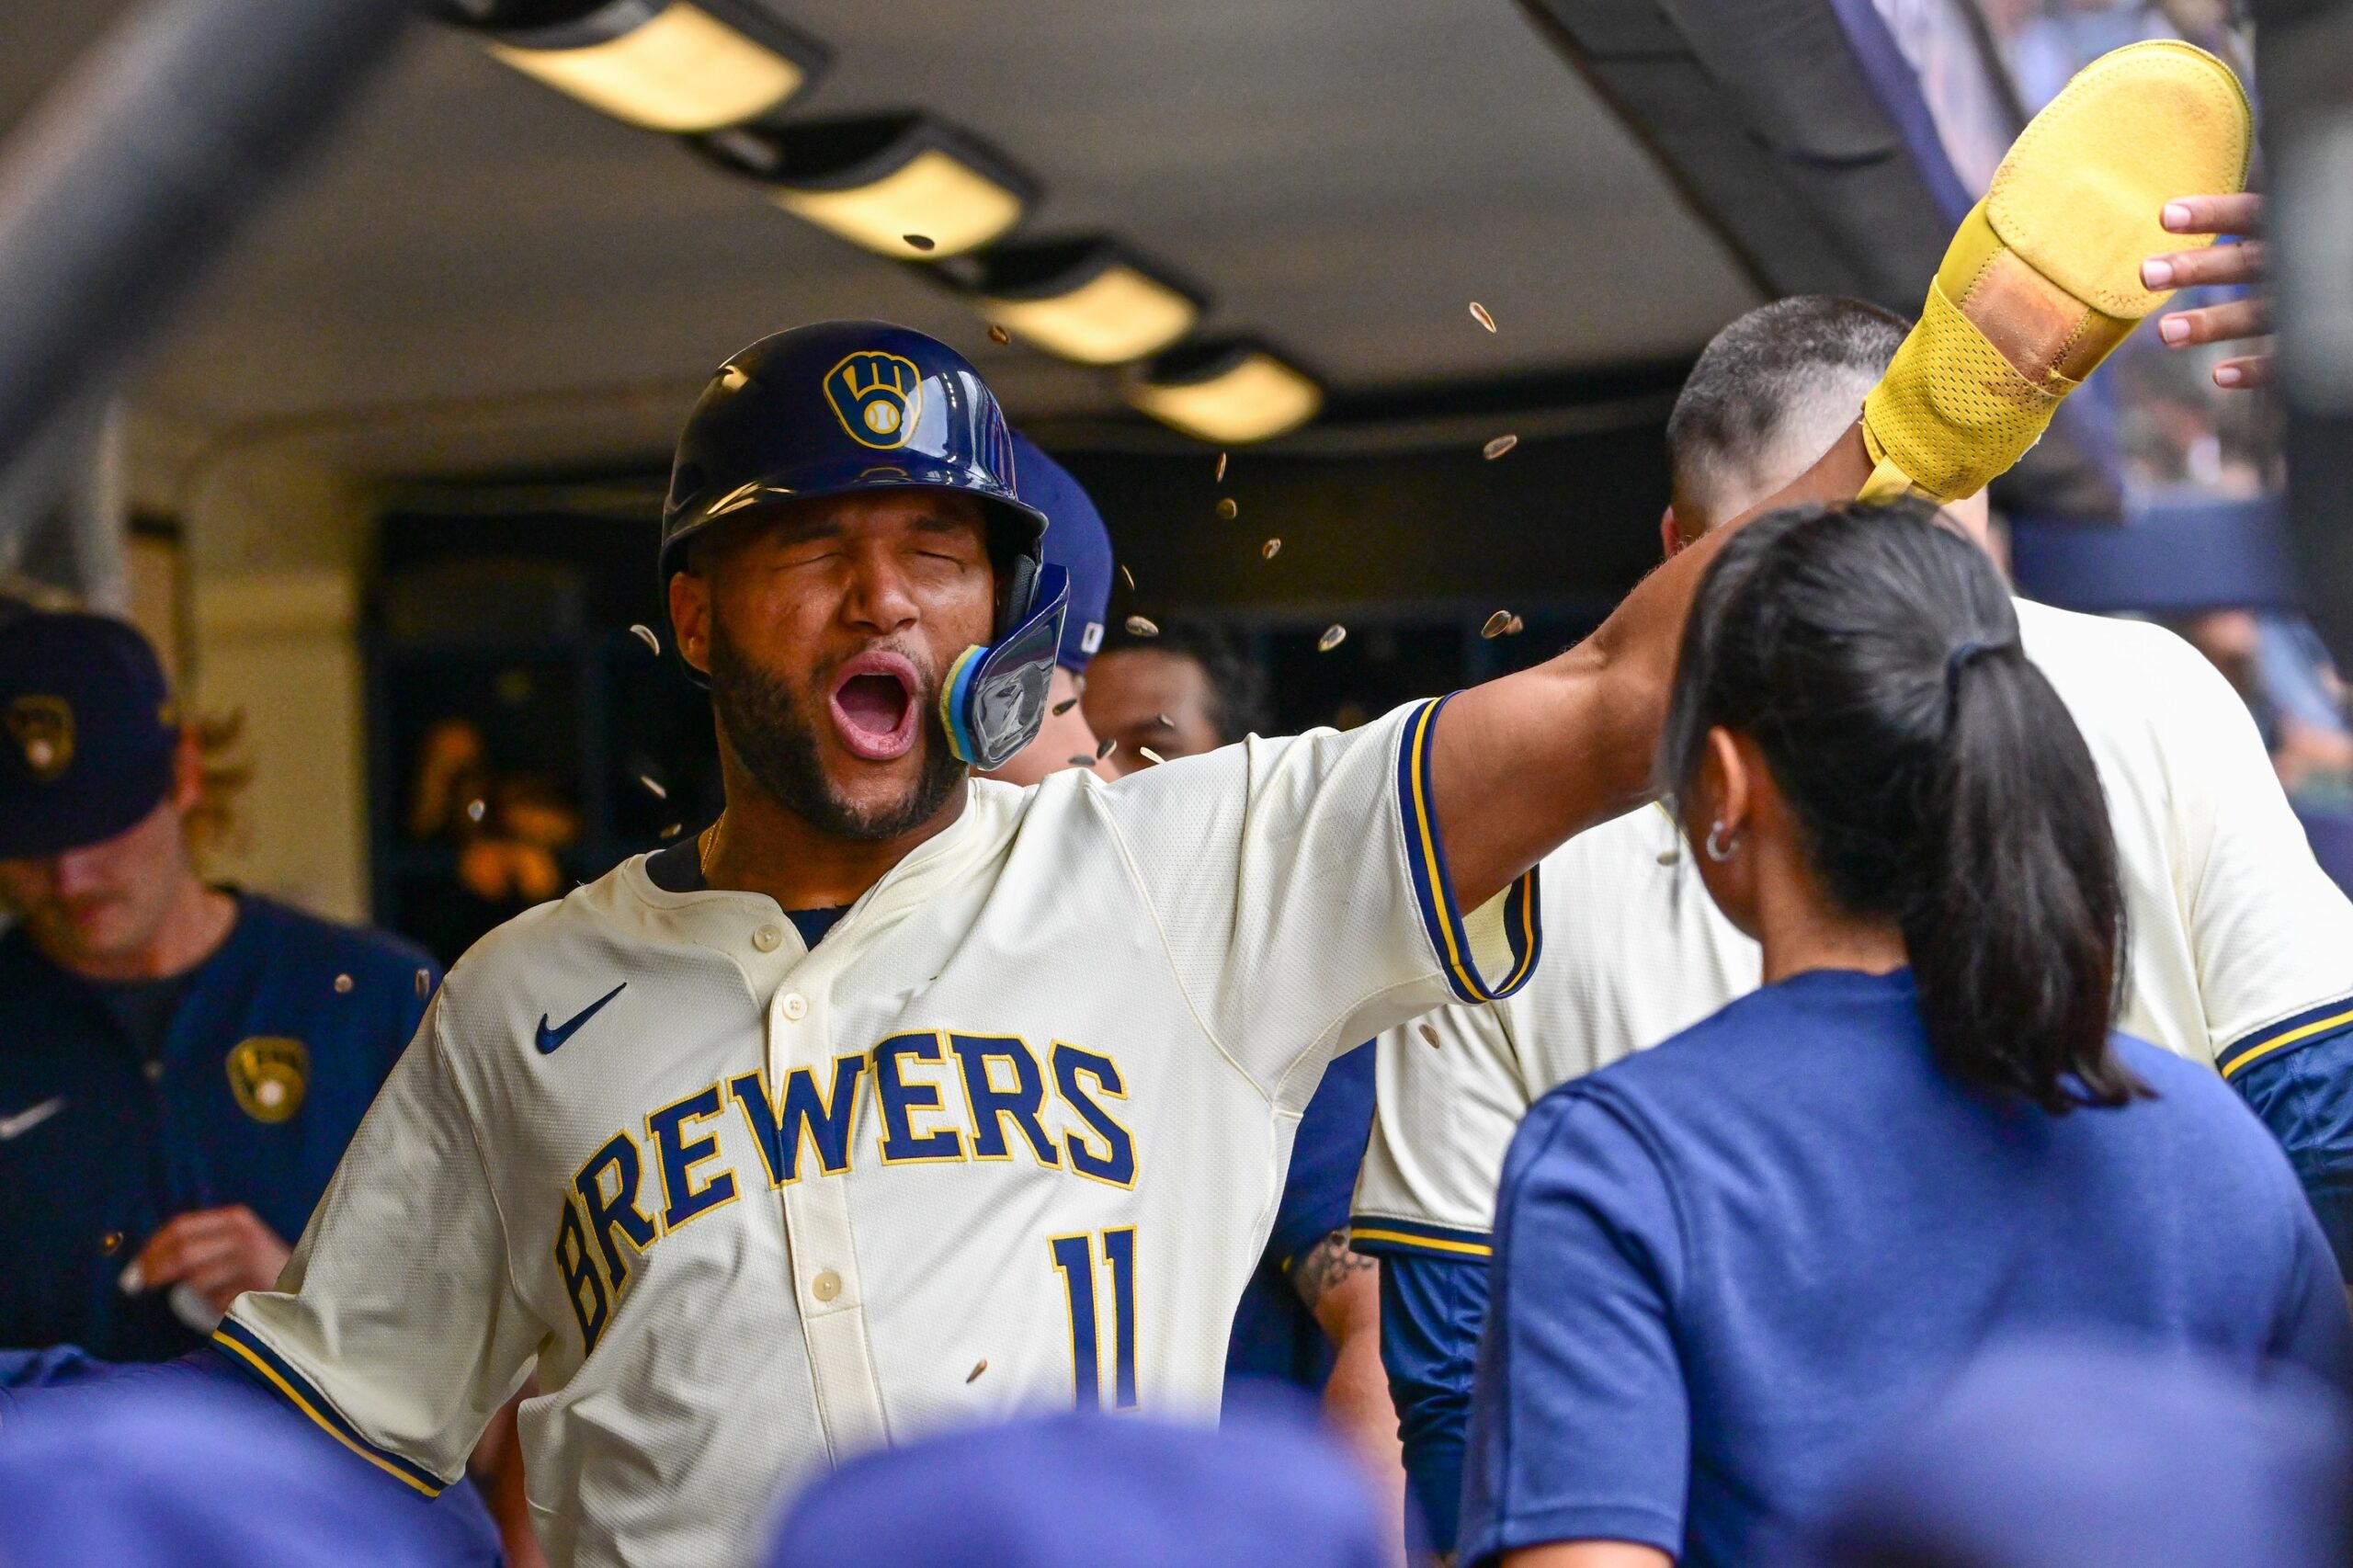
(2240, 949)
(1076, 541)
(895, 1100)
(181, 1064)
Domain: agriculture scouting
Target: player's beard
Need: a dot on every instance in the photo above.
(776, 742)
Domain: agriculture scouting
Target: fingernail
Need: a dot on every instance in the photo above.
(2228, 375)
(2177, 216)
(2157, 273)
(2173, 329)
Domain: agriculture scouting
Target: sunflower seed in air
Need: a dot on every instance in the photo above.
(645, 635)
(920, 242)
(1668, 856)
(1064, 705)
(1128, 577)
(475, 810)
(1163, 720)
(1106, 749)
(997, 334)
(1516, 628)
(343, 986)
(424, 984)
(1431, 1035)
(1498, 624)
(1479, 313)
(1081, 760)
(1333, 637)
(1229, 509)
(654, 787)
(1269, 548)
(1498, 447)
(1139, 626)
(673, 831)
(1220, 467)
(978, 1367)
(1149, 754)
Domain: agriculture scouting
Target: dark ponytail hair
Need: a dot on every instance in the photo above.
(1872, 654)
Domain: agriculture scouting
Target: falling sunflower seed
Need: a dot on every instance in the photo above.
(1128, 577)
(1269, 548)
(1498, 447)
(1149, 754)
(1163, 720)
(998, 334)
(424, 984)
(645, 635)
(1064, 705)
(1431, 1035)
(1479, 313)
(1220, 467)
(475, 810)
(925, 242)
(1139, 626)
(1498, 624)
(654, 787)
(674, 830)
(111, 1242)
(1106, 749)
(1516, 628)
(1081, 760)
(1333, 637)
(978, 1367)
(343, 986)
(1668, 856)
(1229, 509)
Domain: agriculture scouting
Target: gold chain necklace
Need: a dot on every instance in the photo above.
(706, 846)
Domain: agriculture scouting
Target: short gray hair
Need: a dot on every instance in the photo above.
(1769, 395)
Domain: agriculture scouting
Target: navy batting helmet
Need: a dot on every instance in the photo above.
(851, 405)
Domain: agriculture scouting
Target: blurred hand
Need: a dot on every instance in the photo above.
(2226, 265)
(220, 1253)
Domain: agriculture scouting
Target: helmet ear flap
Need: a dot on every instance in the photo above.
(1017, 588)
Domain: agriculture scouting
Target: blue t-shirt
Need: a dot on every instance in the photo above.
(1274, 1333)
(1724, 1265)
(245, 1091)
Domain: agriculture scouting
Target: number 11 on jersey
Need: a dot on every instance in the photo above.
(1075, 1257)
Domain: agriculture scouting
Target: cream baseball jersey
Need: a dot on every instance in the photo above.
(2240, 945)
(1009, 1136)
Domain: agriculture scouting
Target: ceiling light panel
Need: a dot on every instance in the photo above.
(1232, 393)
(902, 185)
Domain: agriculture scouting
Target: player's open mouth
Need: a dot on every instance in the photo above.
(874, 705)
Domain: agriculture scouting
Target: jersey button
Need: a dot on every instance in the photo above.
(794, 1006)
(827, 1286)
(767, 938)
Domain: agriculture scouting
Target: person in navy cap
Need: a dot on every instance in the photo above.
(181, 1064)
(1076, 541)
(2091, 1453)
(1264, 1490)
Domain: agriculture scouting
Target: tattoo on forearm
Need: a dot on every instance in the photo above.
(1326, 1265)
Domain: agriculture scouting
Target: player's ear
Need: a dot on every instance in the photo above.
(1725, 787)
(690, 618)
(1670, 533)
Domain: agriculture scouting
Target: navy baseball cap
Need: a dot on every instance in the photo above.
(2081, 1453)
(1081, 1490)
(87, 731)
(1076, 541)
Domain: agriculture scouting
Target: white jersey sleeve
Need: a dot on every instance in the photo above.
(1301, 889)
(2239, 945)
(1637, 952)
(395, 1326)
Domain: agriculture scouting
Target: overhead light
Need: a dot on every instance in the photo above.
(1089, 300)
(1230, 391)
(664, 65)
(901, 185)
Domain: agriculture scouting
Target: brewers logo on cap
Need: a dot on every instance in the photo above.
(42, 728)
(878, 397)
(268, 1073)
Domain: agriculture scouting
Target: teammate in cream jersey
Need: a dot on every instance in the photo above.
(899, 1098)
(2240, 947)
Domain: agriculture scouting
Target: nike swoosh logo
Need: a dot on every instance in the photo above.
(24, 1120)
(549, 1039)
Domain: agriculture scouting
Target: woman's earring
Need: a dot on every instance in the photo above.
(1720, 853)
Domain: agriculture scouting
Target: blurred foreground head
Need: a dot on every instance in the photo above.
(1081, 1491)
(2090, 1455)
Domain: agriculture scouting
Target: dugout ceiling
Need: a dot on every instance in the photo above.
(482, 275)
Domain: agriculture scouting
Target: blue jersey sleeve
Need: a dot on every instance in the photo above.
(1431, 1310)
(2305, 1096)
(1325, 1156)
(1580, 1426)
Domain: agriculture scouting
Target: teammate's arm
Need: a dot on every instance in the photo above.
(1522, 763)
(1342, 1290)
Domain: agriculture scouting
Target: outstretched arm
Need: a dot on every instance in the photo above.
(1522, 763)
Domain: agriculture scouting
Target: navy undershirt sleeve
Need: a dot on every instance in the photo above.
(2305, 1096)
(1580, 1421)
(1431, 1310)
(1325, 1156)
